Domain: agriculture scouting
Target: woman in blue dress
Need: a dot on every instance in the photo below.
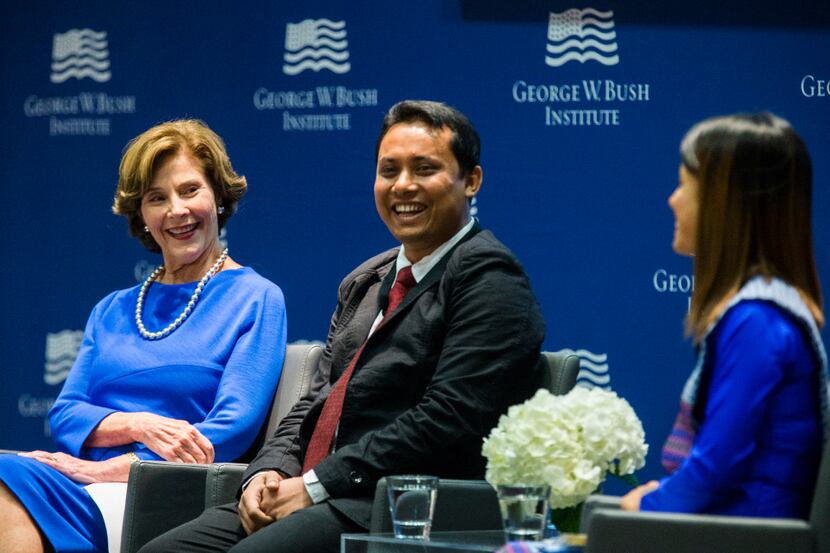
(753, 414)
(180, 368)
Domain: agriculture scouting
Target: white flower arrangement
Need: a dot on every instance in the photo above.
(569, 442)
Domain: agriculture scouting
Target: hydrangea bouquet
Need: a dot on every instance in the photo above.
(569, 442)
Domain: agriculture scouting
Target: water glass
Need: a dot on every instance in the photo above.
(411, 503)
(524, 510)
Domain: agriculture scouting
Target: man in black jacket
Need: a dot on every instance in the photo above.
(421, 383)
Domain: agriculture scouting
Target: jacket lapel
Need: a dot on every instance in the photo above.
(431, 279)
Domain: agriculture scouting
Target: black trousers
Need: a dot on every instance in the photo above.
(218, 529)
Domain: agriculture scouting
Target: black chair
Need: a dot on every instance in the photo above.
(611, 530)
(162, 495)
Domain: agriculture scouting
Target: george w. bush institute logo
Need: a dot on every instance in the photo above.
(80, 53)
(316, 44)
(593, 368)
(581, 35)
(61, 350)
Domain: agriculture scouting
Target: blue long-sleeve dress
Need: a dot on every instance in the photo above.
(761, 397)
(218, 371)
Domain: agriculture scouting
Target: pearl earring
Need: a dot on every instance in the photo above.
(146, 228)
(221, 210)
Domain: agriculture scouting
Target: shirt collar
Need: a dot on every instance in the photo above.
(426, 263)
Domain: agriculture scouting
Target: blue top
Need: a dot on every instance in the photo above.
(218, 370)
(758, 447)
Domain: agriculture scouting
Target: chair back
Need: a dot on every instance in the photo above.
(820, 511)
(558, 372)
(298, 367)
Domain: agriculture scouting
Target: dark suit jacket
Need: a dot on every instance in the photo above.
(432, 381)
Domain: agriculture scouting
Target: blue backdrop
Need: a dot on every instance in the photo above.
(580, 108)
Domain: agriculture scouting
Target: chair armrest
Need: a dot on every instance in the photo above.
(222, 482)
(460, 505)
(595, 502)
(644, 532)
(160, 496)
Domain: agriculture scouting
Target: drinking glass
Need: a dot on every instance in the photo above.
(411, 503)
(524, 510)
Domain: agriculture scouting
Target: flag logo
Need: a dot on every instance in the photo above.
(593, 368)
(80, 53)
(61, 350)
(581, 35)
(316, 44)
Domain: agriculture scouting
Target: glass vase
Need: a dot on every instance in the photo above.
(565, 520)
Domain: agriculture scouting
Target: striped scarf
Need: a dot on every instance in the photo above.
(678, 445)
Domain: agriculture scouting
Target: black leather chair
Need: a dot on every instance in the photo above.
(611, 530)
(162, 495)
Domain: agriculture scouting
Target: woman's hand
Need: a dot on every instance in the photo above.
(172, 439)
(631, 500)
(85, 472)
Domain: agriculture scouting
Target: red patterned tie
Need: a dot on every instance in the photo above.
(321, 439)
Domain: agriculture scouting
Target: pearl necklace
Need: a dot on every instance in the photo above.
(147, 335)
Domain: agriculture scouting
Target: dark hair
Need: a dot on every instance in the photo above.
(755, 216)
(145, 153)
(465, 143)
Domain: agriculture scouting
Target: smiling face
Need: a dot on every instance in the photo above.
(419, 193)
(685, 203)
(179, 209)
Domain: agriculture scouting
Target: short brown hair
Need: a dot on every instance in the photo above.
(144, 154)
(755, 216)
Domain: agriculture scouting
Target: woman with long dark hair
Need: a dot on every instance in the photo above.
(748, 437)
